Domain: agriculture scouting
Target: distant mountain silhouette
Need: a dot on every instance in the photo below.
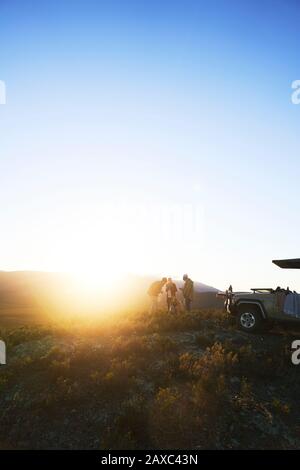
(199, 287)
(33, 293)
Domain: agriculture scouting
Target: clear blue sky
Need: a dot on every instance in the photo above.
(150, 103)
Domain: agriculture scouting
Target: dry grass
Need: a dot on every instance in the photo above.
(136, 383)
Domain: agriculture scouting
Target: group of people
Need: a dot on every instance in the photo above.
(168, 287)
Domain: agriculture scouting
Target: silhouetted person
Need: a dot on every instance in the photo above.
(188, 292)
(171, 290)
(154, 290)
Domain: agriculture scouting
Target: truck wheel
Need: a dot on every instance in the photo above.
(249, 319)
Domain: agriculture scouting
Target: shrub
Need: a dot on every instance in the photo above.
(130, 427)
(24, 334)
(173, 421)
(214, 362)
(280, 407)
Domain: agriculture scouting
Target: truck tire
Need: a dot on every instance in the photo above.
(249, 318)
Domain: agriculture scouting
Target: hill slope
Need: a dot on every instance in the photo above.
(26, 296)
(149, 381)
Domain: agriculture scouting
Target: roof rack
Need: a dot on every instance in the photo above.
(288, 263)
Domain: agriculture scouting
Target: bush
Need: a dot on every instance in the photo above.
(173, 422)
(130, 427)
(24, 334)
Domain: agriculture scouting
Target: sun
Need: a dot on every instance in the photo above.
(96, 282)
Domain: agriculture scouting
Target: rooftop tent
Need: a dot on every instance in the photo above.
(288, 263)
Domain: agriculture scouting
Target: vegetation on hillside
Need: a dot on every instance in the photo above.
(148, 381)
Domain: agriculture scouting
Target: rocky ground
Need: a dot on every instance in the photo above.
(193, 381)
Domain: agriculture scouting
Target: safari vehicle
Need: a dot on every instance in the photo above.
(259, 309)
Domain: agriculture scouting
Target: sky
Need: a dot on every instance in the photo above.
(151, 137)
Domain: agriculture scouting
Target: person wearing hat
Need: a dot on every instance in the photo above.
(187, 292)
